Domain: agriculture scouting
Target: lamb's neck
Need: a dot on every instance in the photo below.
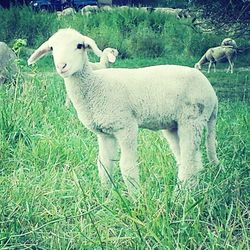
(85, 73)
(203, 60)
(104, 62)
(81, 88)
(83, 79)
(81, 84)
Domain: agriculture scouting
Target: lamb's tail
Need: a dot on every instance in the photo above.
(211, 137)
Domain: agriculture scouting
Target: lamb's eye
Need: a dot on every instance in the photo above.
(79, 46)
(51, 48)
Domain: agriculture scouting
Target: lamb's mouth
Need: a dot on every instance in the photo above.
(64, 72)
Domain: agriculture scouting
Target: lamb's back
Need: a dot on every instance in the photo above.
(157, 82)
(158, 95)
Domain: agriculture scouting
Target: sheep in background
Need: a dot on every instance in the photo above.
(170, 11)
(89, 9)
(115, 103)
(227, 50)
(106, 8)
(107, 58)
(8, 66)
(66, 12)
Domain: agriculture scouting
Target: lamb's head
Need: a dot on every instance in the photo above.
(197, 66)
(68, 48)
(229, 42)
(110, 54)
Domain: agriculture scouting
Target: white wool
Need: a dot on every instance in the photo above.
(115, 103)
(107, 58)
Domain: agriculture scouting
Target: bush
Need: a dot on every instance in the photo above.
(135, 33)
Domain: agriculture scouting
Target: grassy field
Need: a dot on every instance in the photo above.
(50, 193)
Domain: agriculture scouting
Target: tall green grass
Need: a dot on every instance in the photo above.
(51, 196)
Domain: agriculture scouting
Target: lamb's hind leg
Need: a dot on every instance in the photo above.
(173, 141)
(108, 150)
(190, 140)
(211, 139)
(214, 63)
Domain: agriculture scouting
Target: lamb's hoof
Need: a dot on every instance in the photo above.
(183, 187)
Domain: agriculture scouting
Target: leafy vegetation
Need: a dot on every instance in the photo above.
(50, 194)
(135, 33)
(230, 16)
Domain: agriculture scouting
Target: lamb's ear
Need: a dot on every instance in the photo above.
(90, 43)
(111, 57)
(40, 52)
(115, 52)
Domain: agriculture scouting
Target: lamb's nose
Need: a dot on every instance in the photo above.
(61, 66)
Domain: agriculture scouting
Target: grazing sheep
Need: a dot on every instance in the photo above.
(114, 103)
(8, 67)
(108, 57)
(217, 54)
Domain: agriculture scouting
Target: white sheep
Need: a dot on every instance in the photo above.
(66, 12)
(89, 9)
(217, 54)
(114, 103)
(108, 57)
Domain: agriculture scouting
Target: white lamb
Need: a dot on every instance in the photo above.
(115, 103)
(108, 57)
(227, 50)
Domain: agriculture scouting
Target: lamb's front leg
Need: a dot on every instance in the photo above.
(230, 67)
(209, 66)
(108, 149)
(67, 101)
(127, 139)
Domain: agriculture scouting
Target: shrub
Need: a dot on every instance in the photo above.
(135, 33)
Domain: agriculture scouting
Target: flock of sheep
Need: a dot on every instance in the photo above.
(89, 9)
(115, 102)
